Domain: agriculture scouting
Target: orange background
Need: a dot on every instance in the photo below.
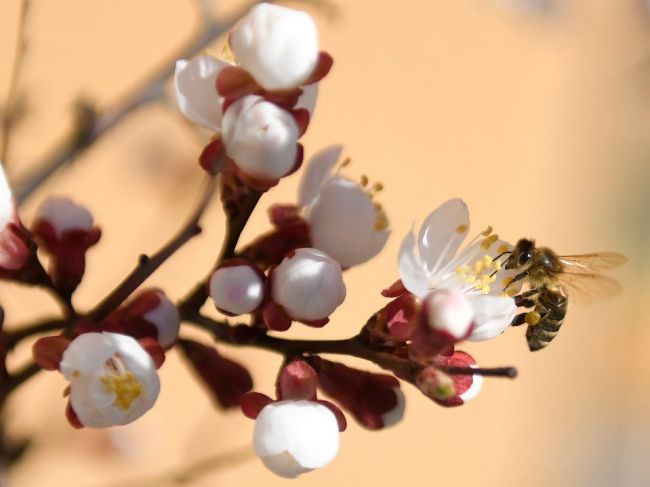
(539, 122)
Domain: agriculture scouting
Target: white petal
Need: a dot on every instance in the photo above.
(493, 314)
(308, 285)
(87, 354)
(196, 92)
(442, 233)
(315, 173)
(236, 289)
(308, 99)
(395, 415)
(412, 270)
(260, 137)
(166, 319)
(306, 431)
(64, 214)
(6, 199)
(343, 223)
(503, 275)
(474, 389)
(277, 45)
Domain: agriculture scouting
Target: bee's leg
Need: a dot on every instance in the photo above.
(523, 302)
(519, 319)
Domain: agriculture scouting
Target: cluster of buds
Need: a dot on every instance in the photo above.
(258, 102)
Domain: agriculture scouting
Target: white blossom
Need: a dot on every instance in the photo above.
(450, 311)
(308, 285)
(166, 319)
(196, 91)
(236, 289)
(64, 214)
(6, 199)
(344, 220)
(260, 137)
(294, 437)
(113, 380)
(435, 263)
(277, 45)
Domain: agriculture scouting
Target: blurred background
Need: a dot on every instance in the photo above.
(536, 113)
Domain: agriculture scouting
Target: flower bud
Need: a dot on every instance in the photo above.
(196, 93)
(450, 312)
(237, 287)
(66, 231)
(277, 45)
(450, 389)
(152, 314)
(113, 380)
(297, 380)
(260, 137)
(15, 242)
(225, 379)
(308, 284)
(294, 437)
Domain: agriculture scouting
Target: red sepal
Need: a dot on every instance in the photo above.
(72, 417)
(394, 290)
(323, 67)
(154, 349)
(252, 404)
(213, 157)
(275, 318)
(48, 351)
(297, 381)
(340, 417)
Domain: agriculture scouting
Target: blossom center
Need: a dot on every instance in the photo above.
(480, 274)
(121, 382)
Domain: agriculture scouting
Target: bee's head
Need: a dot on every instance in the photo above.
(521, 255)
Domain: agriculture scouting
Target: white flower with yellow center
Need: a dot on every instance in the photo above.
(435, 262)
(113, 380)
(345, 220)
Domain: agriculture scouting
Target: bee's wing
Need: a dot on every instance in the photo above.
(590, 263)
(585, 288)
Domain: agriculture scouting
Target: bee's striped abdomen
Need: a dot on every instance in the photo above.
(552, 305)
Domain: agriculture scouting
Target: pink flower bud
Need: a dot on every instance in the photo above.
(225, 379)
(260, 137)
(450, 389)
(237, 287)
(151, 314)
(66, 230)
(295, 437)
(375, 400)
(15, 241)
(449, 311)
(308, 285)
(297, 380)
(277, 45)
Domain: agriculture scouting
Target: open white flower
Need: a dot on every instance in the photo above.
(113, 380)
(344, 220)
(308, 284)
(477, 271)
(260, 137)
(196, 91)
(294, 437)
(277, 45)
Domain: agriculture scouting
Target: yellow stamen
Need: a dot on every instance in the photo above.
(461, 228)
(126, 387)
(364, 180)
(503, 248)
(487, 231)
(488, 241)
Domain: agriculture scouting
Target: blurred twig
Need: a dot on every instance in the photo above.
(11, 109)
(90, 125)
(192, 471)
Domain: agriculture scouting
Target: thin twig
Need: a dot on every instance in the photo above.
(148, 265)
(25, 331)
(9, 115)
(150, 90)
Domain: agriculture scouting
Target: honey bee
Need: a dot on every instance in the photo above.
(550, 278)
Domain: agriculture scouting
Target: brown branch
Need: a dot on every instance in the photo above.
(13, 337)
(354, 347)
(148, 265)
(91, 125)
(234, 227)
(11, 106)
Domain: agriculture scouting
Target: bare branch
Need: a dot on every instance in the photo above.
(12, 104)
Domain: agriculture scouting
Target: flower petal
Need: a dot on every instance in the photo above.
(318, 168)
(442, 232)
(6, 199)
(411, 268)
(493, 315)
(308, 98)
(196, 92)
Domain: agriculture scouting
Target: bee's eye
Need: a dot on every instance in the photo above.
(525, 257)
